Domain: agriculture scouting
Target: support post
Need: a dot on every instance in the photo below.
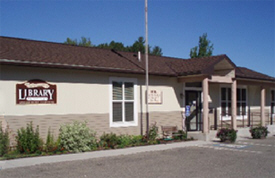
(263, 106)
(215, 119)
(234, 104)
(146, 66)
(205, 105)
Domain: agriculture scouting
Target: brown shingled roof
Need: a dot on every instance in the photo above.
(55, 54)
(243, 72)
(192, 66)
(48, 54)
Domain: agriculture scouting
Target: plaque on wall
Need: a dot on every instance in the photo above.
(155, 97)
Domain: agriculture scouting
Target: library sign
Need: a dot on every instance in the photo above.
(35, 92)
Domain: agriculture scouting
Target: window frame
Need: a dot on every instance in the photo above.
(239, 117)
(241, 101)
(227, 116)
(123, 123)
(272, 102)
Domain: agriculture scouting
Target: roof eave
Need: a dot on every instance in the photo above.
(256, 81)
(68, 66)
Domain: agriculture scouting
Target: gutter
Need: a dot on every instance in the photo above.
(59, 65)
(75, 66)
(251, 79)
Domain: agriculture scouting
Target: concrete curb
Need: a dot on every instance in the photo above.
(24, 162)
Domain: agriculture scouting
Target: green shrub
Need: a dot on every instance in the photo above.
(111, 139)
(101, 144)
(49, 141)
(226, 134)
(137, 140)
(259, 132)
(52, 146)
(153, 132)
(77, 137)
(124, 141)
(4, 141)
(180, 135)
(28, 140)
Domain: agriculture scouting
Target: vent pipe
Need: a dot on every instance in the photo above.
(139, 56)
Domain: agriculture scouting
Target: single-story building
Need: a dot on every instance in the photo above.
(52, 84)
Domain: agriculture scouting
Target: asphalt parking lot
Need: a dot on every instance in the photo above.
(245, 158)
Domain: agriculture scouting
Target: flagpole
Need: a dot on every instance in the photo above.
(146, 63)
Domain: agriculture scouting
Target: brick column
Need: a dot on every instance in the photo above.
(234, 104)
(205, 105)
(263, 106)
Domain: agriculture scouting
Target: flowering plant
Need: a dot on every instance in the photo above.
(259, 132)
(227, 134)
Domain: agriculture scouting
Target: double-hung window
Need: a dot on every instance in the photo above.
(226, 101)
(241, 102)
(273, 102)
(123, 102)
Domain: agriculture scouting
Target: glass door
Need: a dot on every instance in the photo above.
(193, 110)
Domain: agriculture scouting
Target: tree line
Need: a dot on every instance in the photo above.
(138, 45)
(204, 48)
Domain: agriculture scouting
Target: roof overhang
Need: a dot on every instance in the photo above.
(255, 82)
(66, 66)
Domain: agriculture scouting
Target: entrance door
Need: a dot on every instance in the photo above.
(193, 110)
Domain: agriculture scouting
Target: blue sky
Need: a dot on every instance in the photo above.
(243, 29)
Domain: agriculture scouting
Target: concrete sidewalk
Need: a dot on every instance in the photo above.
(23, 162)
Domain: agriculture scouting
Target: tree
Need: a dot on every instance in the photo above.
(138, 45)
(157, 51)
(205, 48)
(113, 45)
(83, 42)
(71, 42)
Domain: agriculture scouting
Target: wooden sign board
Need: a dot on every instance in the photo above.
(35, 92)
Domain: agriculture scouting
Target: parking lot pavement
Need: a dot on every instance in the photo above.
(24, 162)
(246, 158)
(258, 146)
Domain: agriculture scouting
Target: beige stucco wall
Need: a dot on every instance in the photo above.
(80, 92)
(84, 95)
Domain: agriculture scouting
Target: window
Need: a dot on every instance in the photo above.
(272, 101)
(226, 101)
(241, 102)
(123, 112)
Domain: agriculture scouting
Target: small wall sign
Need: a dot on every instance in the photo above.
(187, 110)
(35, 92)
(154, 97)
